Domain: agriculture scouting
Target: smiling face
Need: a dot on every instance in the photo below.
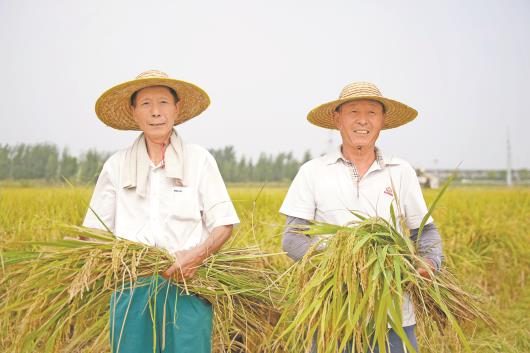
(155, 111)
(359, 123)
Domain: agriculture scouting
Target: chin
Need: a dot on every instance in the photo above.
(157, 135)
(362, 144)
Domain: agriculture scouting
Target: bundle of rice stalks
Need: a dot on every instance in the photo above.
(348, 295)
(56, 295)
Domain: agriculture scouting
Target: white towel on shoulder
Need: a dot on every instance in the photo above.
(136, 168)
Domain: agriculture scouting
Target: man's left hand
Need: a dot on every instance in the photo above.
(423, 271)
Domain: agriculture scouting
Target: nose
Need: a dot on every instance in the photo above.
(361, 120)
(155, 111)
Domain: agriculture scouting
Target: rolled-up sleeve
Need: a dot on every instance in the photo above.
(295, 243)
(216, 205)
(429, 244)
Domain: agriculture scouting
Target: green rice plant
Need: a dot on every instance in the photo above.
(352, 292)
(59, 291)
(485, 231)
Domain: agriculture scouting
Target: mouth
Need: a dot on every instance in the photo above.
(362, 132)
(157, 124)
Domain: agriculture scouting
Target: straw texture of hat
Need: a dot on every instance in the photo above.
(114, 106)
(396, 114)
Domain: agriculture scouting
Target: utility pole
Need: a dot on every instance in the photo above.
(508, 160)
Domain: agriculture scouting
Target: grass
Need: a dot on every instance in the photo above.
(485, 233)
(347, 296)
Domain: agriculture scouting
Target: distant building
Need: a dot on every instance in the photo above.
(430, 178)
(427, 179)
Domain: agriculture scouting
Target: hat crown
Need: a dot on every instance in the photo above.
(360, 89)
(152, 74)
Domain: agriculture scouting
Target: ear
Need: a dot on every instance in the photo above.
(384, 119)
(133, 111)
(336, 119)
(177, 110)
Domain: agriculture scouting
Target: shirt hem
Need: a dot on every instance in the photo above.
(225, 221)
(302, 215)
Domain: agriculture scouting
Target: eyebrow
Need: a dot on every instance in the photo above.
(372, 104)
(156, 98)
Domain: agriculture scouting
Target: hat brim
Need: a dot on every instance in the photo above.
(113, 107)
(396, 114)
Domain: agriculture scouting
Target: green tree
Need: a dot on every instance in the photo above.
(291, 167)
(68, 165)
(263, 169)
(244, 170)
(307, 156)
(227, 162)
(5, 162)
(90, 166)
(52, 165)
(18, 166)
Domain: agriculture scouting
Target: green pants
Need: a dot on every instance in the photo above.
(156, 316)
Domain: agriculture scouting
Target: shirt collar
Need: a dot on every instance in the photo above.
(153, 166)
(336, 155)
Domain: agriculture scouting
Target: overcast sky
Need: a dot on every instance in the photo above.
(464, 65)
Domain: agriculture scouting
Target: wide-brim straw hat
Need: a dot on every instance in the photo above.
(114, 106)
(396, 114)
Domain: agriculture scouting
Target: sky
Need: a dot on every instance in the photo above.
(464, 65)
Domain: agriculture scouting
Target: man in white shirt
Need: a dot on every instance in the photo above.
(161, 192)
(357, 177)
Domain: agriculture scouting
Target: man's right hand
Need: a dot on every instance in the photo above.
(186, 264)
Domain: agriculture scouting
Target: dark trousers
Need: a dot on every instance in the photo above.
(394, 343)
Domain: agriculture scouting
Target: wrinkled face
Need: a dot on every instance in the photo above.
(155, 112)
(359, 122)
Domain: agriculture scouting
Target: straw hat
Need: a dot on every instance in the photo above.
(114, 106)
(396, 113)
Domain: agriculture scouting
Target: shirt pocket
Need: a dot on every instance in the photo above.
(184, 204)
(382, 203)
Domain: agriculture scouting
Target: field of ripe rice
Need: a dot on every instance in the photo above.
(486, 233)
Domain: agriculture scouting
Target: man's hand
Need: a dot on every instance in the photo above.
(186, 264)
(423, 271)
(188, 261)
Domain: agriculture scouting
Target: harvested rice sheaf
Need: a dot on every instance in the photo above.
(56, 295)
(348, 295)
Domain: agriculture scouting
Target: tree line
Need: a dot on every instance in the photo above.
(47, 162)
(280, 167)
(44, 161)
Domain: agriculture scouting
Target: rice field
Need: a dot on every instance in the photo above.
(486, 232)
